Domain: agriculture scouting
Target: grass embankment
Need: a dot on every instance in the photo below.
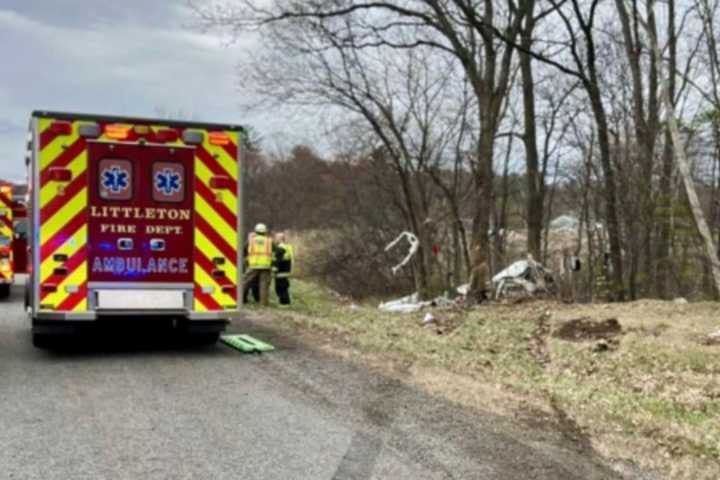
(651, 395)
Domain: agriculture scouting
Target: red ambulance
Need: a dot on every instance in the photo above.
(133, 217)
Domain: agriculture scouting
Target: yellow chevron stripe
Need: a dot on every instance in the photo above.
(228, 198)
(55, 148)
(210, 251)
(77, 277)
(69, 248)
(198, 306)
(208, 213)
(229, 164)
(52, 225)
(203, 279)
(81, 306)
(78, 167)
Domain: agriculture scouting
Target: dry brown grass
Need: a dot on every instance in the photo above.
(651, 397)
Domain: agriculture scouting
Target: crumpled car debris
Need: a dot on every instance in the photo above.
(414, 245)
(528, 274)
(412, 303)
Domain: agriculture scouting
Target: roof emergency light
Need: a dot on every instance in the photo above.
(167, 135)
(219, 138)
(117, 132)
(141, 129)
(89, 130)
(193, 137)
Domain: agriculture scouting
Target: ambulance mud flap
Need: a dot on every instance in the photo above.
(246, 343)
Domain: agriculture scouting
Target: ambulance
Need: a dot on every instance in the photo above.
(132, 217)
(7, 270)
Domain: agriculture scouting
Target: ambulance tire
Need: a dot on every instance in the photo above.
(203, 339)
(44, 341)
(4, 290)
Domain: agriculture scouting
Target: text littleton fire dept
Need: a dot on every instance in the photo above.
(140, 213)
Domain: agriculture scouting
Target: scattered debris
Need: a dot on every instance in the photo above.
(527, 275)
(713, 338)
(584, 328)
(680, 301)
(428, 319)
(408, 304)
(412, 303)
(414, 245)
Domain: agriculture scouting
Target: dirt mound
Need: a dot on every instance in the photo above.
(585, 328)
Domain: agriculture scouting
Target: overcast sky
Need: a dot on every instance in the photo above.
(134, 57)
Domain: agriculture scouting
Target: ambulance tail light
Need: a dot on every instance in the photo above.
(221, 182)
(117, 132)
(58, 174)
(167, 135)
(218, 138)
(61, 128)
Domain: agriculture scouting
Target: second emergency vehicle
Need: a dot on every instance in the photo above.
(7, 270)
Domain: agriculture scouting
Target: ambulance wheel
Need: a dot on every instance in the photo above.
(43, 341)
(4, 290)
(205, 338)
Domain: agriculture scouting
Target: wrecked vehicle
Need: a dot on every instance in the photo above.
(524, 276)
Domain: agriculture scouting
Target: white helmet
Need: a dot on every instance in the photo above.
(260, 228)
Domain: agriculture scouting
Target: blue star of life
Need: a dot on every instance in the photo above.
(167, 182)
(115, 179)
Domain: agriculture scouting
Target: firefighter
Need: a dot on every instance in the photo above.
(259, 254)
(284, 259)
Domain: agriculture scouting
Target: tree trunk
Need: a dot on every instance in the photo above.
(684, 168)
(535, 190)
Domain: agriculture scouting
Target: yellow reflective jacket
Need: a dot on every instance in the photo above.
(259, 252)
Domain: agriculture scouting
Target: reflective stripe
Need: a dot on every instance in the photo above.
(289, 256)
(259, 252)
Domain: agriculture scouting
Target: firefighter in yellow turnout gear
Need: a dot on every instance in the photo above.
(259, 255)
(283, 268)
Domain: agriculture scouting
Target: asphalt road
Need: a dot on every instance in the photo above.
(122, 406)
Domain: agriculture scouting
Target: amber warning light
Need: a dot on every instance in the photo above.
(117, 132)
(219, 138)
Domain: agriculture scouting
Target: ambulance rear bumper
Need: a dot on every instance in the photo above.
(94, 315)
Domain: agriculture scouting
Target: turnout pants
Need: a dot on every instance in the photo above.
(282, 289)
(257, 282)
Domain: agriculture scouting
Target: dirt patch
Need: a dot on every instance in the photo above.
(581, 329)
